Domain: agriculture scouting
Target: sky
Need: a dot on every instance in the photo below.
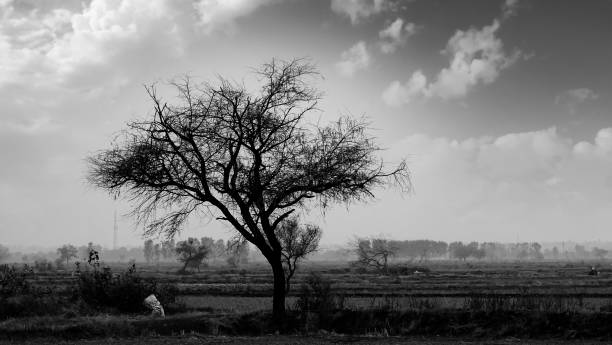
(501, 108)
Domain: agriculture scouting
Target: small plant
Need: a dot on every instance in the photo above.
(12, 281)
(317, 302)
(125, 292)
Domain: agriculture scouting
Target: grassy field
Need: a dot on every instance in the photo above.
(302, 340)
(444, 285)
(448, 289)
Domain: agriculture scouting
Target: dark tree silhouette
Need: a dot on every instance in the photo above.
(374, 253)
(191, 253)
(251, 160)
(297, 242)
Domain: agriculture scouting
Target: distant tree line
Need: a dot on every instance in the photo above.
(376, 252)
(194, 253)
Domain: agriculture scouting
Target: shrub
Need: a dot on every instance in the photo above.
(124, 292)
(12, 281)
(43, 265)
(18, 298)
(317, 302)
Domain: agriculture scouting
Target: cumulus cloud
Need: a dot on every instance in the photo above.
(354, 59)
(476, 57)
(571, 99)
(50, 46)
(509, 8)
(357, 10)
(221, 13)
(395, 35)
(539, 183)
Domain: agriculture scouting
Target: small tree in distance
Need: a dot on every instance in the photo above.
(237, 252)
(249, 159)
(191, 253)
(297, 242)
(374, 253)
(67, 252)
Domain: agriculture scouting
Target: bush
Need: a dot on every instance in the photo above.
(12, 281)
(43, 265)
(18, 298)
(317, 302)
(124, 292)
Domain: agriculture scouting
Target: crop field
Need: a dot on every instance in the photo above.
(455, 299)
(544, 286)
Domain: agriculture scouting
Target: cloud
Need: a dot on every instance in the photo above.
(54, 46)
(358, 9)
(571, 99)
(538, 183)
(397, 93)
(509, 8)
(215, 14)
(476, 57)
(354, 59)
(395, 35)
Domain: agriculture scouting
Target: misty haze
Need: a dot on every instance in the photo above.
(292, 171)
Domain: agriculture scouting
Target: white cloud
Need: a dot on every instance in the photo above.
(396, 93)
(221, 13)
(509, 8)
(354, 59)
(395, 35)
(540, 185)
(476, 57)
(571, 99)
(358, 9)
(38, 47)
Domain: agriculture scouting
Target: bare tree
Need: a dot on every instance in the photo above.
(374, 253)
(249, 160)
(297, 242)
(237, 252)
(191, 253)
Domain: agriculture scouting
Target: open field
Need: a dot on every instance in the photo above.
(438, 295)
(441, 285)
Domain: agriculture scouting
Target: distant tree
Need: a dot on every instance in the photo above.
(581, 251)
(85, 250)
(555, 253)
(298, 241)
(157, 253)
(219, 249)
(599, 253)
(374, 253)
(148, 251)
(67, 252)
(4, 253)
(168, 249)
(237, 251)
(251, 159)
(479, 252)
(460, 251)
(191, 253)
(536, 251)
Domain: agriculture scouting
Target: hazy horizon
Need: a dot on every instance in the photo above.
(502, 108)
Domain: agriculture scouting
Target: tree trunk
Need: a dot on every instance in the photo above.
(278, 298)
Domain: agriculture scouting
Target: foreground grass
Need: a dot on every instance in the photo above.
(193, 339)
(445, 323)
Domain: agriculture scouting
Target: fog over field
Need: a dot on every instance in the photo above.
(502, 109)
